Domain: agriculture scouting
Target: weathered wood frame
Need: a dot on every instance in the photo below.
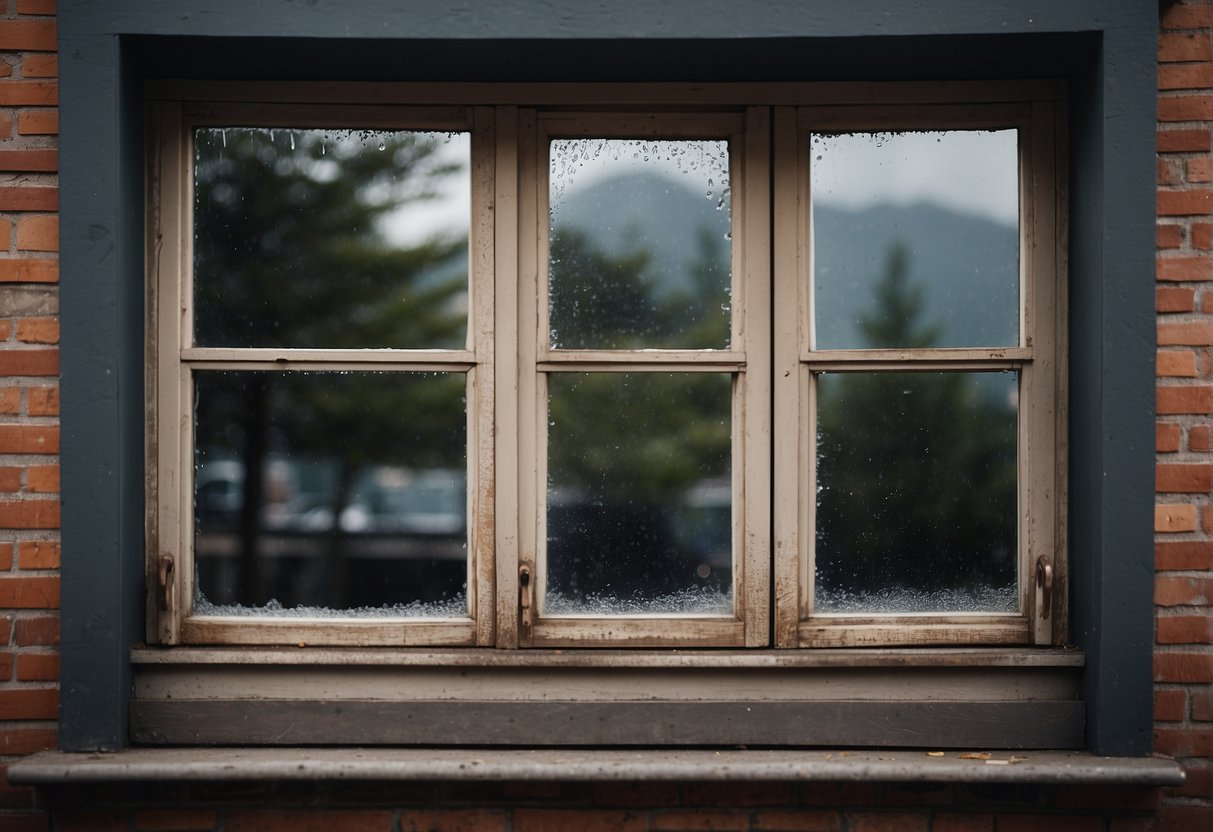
(1038, 360)
(175, 359)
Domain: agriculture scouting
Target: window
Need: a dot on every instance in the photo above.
(537, 370)
(541, 376)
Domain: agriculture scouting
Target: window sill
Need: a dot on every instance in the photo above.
(55, 768)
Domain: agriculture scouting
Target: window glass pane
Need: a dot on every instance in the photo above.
(639, 506)
(915, 239)
(328, 493)
(330, 238)
(641, 245)
(916, 492)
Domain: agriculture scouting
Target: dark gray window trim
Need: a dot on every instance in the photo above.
(1105, 48)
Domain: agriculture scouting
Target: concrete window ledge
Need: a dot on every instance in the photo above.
(55, 768)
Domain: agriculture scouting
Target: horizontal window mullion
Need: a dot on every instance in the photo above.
(704, 361)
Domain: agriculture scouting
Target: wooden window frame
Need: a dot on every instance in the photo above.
(506, 360)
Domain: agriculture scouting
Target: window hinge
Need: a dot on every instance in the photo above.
(166, 581)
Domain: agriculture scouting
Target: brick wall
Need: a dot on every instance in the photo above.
(1183, 658)
(29, 548)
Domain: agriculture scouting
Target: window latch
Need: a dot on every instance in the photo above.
(1044, 585)
(525, 590)
(166, 580)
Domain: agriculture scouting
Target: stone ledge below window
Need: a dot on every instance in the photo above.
(54, 768)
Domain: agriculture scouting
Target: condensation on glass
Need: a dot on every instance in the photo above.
(640, 245)
(341, 239)
(916, 493)
(938, 210)
(639, 494)
(330, 494)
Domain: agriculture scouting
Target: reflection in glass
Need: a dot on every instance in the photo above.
(330, 238)
(640, 249)
(916, 492)
(330, 493)
(639, 509)
(941, 205)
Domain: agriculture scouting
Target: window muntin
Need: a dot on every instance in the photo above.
(493, 570)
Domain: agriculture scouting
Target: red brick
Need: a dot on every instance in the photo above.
(6, 563)
(1184, 819)
(38, 122)
(886, 822)
(1184, 742)
(1202, 235)
(40, 161)
(1199, 779)
(42, 401)
(1202, 704)
(37, 667)
(1174, 298)
(38, 233)
(1047, 823)
(29, 93)
(452, 820)
(1185, 108)
(42, 631)
(1170, 76)
(6, 233)
(175, 820)
(635, 794)
(29, 439)
(22, 741)
(31, 593)
(1186, 16)
(47, 7)
(6, 666)
(1183, 555)
(309, 821)
(10, 400)
(1199, 170)
(1184, 47)
(1185, 334)
(1184, 268)
(36, 36)
(1168, 236)
(736, 794)
(40, 66)
(33, 198)
(1193, 201)
(29, 362)
(1166, 437)
(18, 270)
(39, 822)
(1182, 592)
(963, 823)
(707, 819)
(42, 479)
(1169, 171)
(1183, 478)
(792, 821)
(1168, 363)
(1183, 668)
(10, 480)
(6, 125)
(46, 331)
(1170, 705)
(560, 820)
(1171, 629)
(37, 703)
(1168, 141)
(29, 514)
(1171, 400)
